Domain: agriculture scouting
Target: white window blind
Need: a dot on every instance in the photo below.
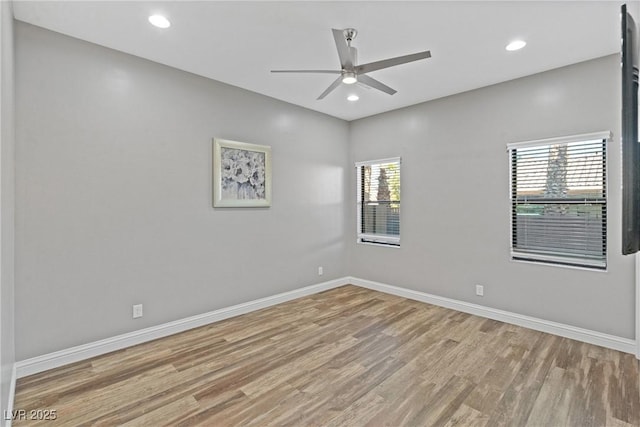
(559, 200)
(378, 189)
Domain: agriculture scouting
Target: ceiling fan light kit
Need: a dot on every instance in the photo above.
(349, 78)
(350, 72)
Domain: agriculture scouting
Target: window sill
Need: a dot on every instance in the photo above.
(551, 264)
(385, 245)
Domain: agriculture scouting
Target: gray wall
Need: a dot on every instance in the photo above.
(113, 194)
(633, 6)
(7, 203)
(455, 197)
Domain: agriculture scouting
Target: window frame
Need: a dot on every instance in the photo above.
(558, 261)
(368, 238)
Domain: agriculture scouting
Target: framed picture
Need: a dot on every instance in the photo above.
(241, 174)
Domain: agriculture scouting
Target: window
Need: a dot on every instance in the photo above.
(559, 200)
(379, 201)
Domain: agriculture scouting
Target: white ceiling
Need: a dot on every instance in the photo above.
(239, 42)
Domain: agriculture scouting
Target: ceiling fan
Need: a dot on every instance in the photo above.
(350, 72)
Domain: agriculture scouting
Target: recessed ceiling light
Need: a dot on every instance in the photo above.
(353, 98)
(159, 21)
(516, 45)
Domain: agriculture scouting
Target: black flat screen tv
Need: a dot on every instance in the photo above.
(630, 144)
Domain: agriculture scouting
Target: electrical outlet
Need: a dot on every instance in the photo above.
(480, 290)
(137, 311)
(320, 271)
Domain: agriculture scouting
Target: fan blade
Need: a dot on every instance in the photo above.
(334, 85)
(308, 71)
(386, 63)
(344, 53)
(369, 81)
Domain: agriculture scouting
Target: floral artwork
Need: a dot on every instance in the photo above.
(241, 174)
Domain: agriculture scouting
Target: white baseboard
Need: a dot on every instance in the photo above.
(579, 334)
(56, 359)
(11, 398)
(82, 352)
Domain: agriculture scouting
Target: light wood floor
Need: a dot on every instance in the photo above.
(346, 357)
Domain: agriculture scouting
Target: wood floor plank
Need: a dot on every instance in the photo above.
(516, 403)
(168, 415)
(468, 417)
(345, 357)
(401, 407)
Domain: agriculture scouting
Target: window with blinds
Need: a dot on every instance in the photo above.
(378, 189)
(559, 200)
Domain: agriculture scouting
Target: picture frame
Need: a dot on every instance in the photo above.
(241, 174)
